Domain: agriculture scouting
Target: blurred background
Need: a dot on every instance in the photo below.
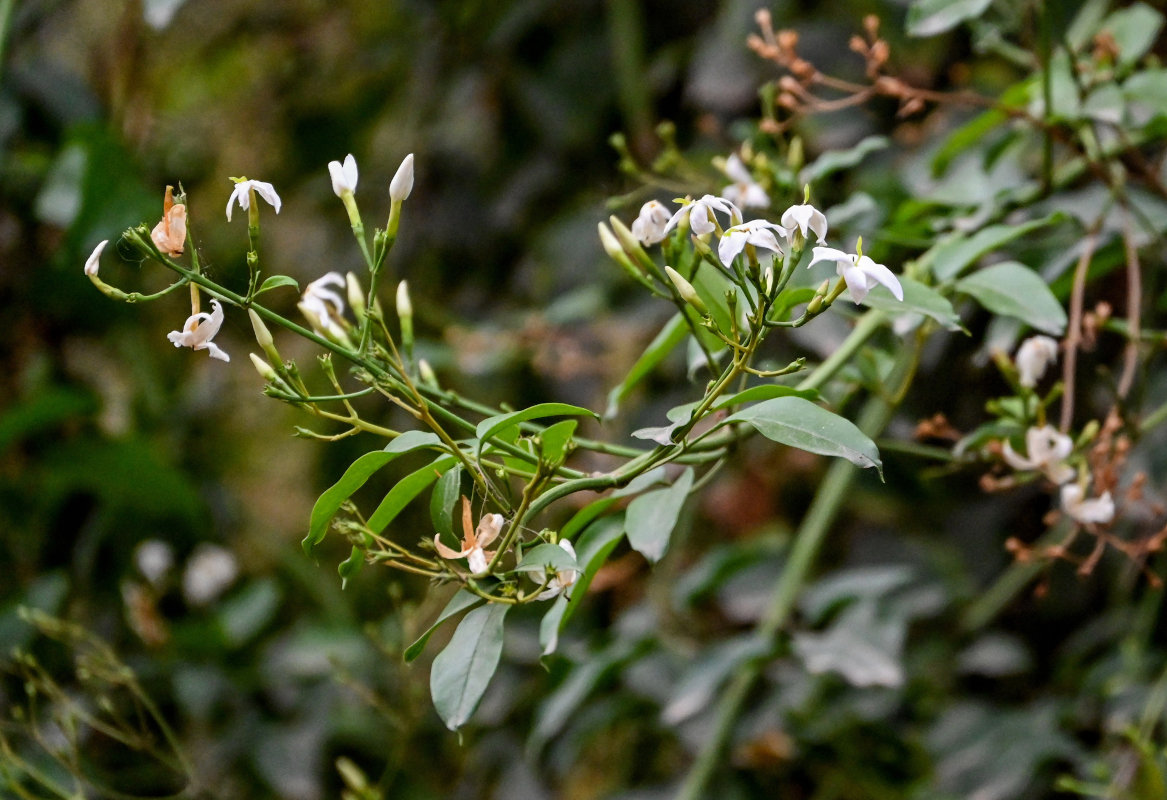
(154, 499)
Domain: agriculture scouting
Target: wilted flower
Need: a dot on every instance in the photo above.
(860, 272)
(650, 226)
(803, 217)
(209, 572)
(344, 177)
(402, 183)
(700, 214)
(744, 192)
(169, 235)
(1046, 450)
(242, 195)
(473, 541)
(758, 232)
(1033, 358)
(198, 331)
(1098, 510)
(324, 303)
(562, 581)
(94, 261)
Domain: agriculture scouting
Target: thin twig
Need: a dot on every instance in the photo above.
(1074, 330)
(1134, 302)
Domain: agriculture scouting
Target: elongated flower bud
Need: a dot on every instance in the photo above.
(427, 374)
(263, 336)
(264, 369)
(402, 183)
(356, 296)
(686, 291)
(405, 316)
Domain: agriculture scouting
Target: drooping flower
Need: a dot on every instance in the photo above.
(198, 331)
(758, 233)
(744, 192)
(650, 226)
(344, 177)
(94, 261)
(802, 217)
(402, 183)
(700, 214)
(474, 541)
(1033, 358)
(1046, 451)
(562, 581)
(242, 195)
(1097, 510)
(860, 272)
(326, 305)
(169, 235)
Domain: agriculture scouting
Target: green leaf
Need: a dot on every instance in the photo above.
(591, 552)
(1013, 290)
(355, 477)
(351, 565)
(549, 626)
(918, 299)
(443, 500)
(492, 425)
(461, 601)
(665, 342)
(969, 135)
(1135, 29)
(952, 256)
(799, 423)
(555, 440)
(835, 160)
(696, 689)
(546, 558)
(664, 434)
(756, 394)
(930, 17)
(711, 284)
(405, 490)
(461, 672)
(650, 518)
(276, 281)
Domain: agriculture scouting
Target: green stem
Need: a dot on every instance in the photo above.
(829, 499)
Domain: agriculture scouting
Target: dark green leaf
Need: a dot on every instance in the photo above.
(756, 394)
(549, 626)
(443, 500)
(461, 601)
(650, 518)
(1014, 290)
(951, 257)
(492, 425)
(591, 551)
(555, 438)
(405, 490)
(835, 160)
(461, 672)
(351, 565)
(799, 423)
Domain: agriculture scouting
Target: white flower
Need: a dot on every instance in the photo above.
(803, 217)
(860, 272)
(402, 183)
(324, 303)
(154, 559)
(344, 178)
(744, 192)
(474, 541)
(1098, 510)
(94, 261)
(758, 232)
(1033, 358)
(700, 214)
(562, 581)
(242, 195)
(1047, 450)
(650, 226)
(209, 572)
(199, 330)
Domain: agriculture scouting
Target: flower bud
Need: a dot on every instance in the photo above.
(402, 183)
(263, 336)
(405, 316)
(629, 243)
(611, 244)
(426, 372)
(264, 369)
(356, 296)
(686, 291)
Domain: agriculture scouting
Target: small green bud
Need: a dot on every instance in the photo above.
(686, 291)
(356, 297)
(427, 374)
(264, 369)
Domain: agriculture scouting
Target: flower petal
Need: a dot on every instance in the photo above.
(93, 262)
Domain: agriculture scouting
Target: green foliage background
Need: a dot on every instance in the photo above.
(109, 437)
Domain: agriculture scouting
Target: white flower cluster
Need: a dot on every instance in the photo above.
(1047, 448)
(859, 272)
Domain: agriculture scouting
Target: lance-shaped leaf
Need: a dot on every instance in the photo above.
(276, 281)
(592, 549)
(546, 557)
(800, 423)
(443, 500)
(835, 160)
(650, 518)
(555, 439)
(950, 258)
(405, 490)
(1014, 290)
(551, 624)
(930, 17)
(461, 672)
(355, 477)
(918, 299)
(494, 425)
(461, 601)
(670, 336)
